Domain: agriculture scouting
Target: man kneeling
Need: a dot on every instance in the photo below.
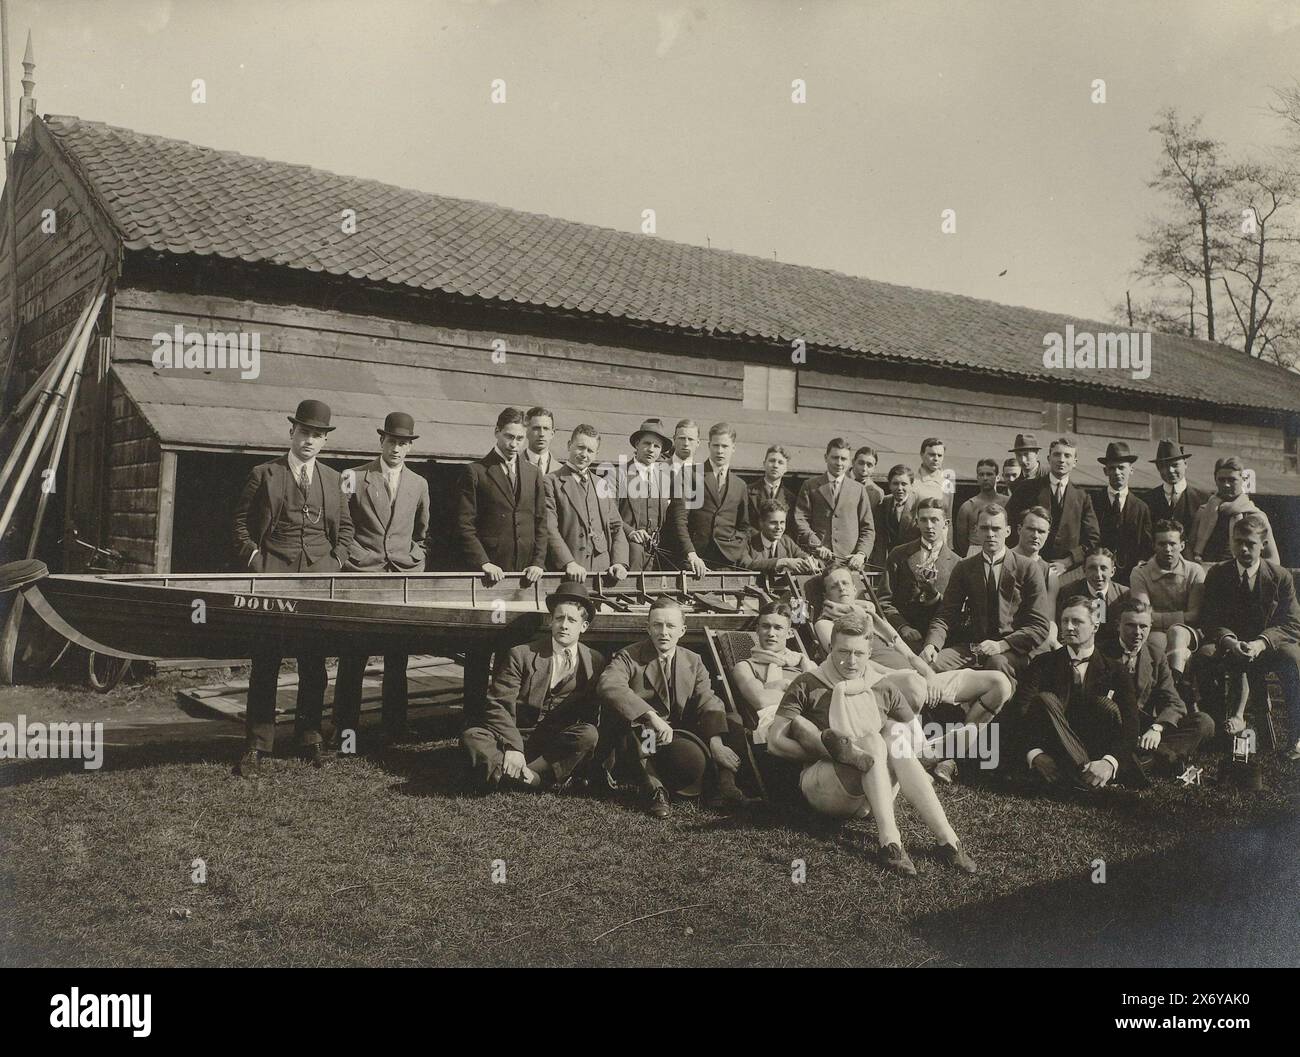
(538, 724)
(851, 729)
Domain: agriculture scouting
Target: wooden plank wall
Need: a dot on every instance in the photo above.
(133, 485)
(316, 351)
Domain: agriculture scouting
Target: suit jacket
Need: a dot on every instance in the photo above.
(1022, 621)
(573, 534)
(519, 686)
(843, 524)
(756, 557)
(1129, 536)
(1075, 532)
(1157, 696)
(1050, 673)
(758, 493)
(1272, 608)
(1184, 511)
(719, 526)
(899, 592)
(551, 464)
(632, 684)
(887, 536)
(664, 512)
(269, 487)
(493, 524)
(386, 534)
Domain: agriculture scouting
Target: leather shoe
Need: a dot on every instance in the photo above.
(955, 855)
(895, 860)
(314, 754)
(842, 750)
(249, 765)
(656, 805)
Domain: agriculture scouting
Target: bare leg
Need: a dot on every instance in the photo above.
(1179, 650)
(919, 792)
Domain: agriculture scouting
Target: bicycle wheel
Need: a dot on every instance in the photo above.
(104, 672)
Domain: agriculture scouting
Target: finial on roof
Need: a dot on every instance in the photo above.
(27, 105)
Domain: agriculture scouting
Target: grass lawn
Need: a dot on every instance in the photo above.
(387, 861)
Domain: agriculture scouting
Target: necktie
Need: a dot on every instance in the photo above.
(562, 667)
(1245, 582)
(666, 667)
(390, 483)
(1131, 661)
(1056, 494)
(991, 600)
(304, 482)
(771, 549)
(722, 480)
(835, 488)
(1172, 498)
(1076, 671)
(1114, 506)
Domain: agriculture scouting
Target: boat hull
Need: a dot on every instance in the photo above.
(232, 616)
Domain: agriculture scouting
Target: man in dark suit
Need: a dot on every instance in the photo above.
(389, 507)
(1098, 586)
(659, 709)
(1123, 519)
(775, 463)
(771, 551)
(917, 574)
(501, 525)
(501, 513)
(1004, 596)
(893, 518)
(1026, 449)
(538, 724)
(653, 511)
(1075, 713)
(583, 525)
(1174, 500)
(1168, 735)
(292, 516)
(719, 525)
(832, 514)
(1250, 621)
(1074, 524)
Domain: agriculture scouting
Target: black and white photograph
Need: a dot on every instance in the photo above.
(650, 484)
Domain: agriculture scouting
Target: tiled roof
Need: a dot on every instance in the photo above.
(169, 196)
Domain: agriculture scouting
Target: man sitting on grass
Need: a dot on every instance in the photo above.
(1076, 712)
(659, 712)
(1173, 586)
(1170, 735)
(849, 727)
(1251, 621)
(763, 677)
(538, 724)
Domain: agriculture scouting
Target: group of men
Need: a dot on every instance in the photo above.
(1088, 616)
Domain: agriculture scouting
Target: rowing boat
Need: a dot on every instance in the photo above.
(220, 615)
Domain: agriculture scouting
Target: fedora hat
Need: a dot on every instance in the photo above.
(572, 591)
(314, 414)
(400, 425)
(1117, 451)
(1026, 442)
(655, 427)
(1170, 451)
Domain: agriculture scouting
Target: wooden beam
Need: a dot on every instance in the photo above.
(166, 512)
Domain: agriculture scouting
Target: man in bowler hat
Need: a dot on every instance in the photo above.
(389, 504)
(1123, 519)
(292, 516)
(1174, 499)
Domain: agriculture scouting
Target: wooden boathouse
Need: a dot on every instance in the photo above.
(375, 298)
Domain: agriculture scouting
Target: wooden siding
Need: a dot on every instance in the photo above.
(133, 485)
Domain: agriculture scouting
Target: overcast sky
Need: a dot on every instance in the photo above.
(615, 106)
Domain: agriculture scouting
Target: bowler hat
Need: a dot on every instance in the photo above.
(655, 427)
(1117, 451)
(1026, 442)
(399, 425)
(1170, 451)
(314, 414)
(572, 591)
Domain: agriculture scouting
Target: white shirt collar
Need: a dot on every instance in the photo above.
(1251, 571)
(1081, 655)
(536, 459)
(1058, 482)
(296, 465)
(1122, 495)
(1177, 489)
(999, 557)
